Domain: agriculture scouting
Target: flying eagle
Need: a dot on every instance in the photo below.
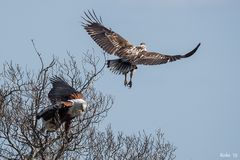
(130, 55)
(67, 103)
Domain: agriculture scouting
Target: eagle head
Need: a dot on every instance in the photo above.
(79, 106)
(143, 46)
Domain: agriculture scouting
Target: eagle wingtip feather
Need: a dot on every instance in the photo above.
(192, 52)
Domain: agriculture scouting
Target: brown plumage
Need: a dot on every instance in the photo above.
(130, 56)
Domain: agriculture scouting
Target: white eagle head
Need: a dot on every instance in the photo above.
(79, 106)
(143, 46)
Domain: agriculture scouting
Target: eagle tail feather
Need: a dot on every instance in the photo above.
(120, 66)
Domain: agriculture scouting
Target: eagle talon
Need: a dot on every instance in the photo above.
(129, 84)
(125, 83)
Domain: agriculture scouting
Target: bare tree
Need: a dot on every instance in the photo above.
(23, 94)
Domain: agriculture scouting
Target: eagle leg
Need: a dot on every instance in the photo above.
(130, 81)
(125, 79)
(67, 127)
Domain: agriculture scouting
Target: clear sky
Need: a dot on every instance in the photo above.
(194, 101)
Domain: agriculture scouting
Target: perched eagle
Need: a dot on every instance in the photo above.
(130, 55)
(67, 103)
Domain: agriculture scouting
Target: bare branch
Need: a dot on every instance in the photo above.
(23, 93)
(93, 62)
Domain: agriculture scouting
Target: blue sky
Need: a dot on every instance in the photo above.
(194, 101)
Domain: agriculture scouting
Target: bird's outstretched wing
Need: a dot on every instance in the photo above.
(62, 91)
(108, 40)
(154, 58)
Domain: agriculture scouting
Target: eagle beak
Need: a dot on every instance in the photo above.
(82, 109)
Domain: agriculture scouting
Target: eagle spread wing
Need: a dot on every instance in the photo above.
(62, 91)
(154, 58)
(107, 39)
(113, 43)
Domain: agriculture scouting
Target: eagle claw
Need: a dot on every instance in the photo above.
(125, 83)
(129, 84)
